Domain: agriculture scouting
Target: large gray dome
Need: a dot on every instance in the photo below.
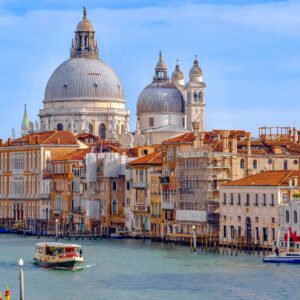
(84, 79)
(160, 97)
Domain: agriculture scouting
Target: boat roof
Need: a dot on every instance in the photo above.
(60, 245)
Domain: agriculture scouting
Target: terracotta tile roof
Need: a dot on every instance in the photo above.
(75, 155)
(154, 158)
(46, 138)
(86, 135)
(184, 138)
(266, 178)
(238, 132)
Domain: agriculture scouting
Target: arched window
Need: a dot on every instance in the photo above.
(114, 186)
(287, 216)
(114, 207)
(60, 126)
(295, 217)
(102, 132)
(255, 164)
(285, 165)
(242, 164)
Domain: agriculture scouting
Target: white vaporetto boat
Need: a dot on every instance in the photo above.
(287, 257)
(58, 255)
(284, 257)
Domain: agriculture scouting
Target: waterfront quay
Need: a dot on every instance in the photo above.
(133, 269)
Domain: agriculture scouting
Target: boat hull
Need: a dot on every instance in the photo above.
(282, 259)
(71, 264)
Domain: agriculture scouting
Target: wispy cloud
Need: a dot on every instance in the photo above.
(247, 51)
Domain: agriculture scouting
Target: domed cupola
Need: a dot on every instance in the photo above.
(196, 72)
(84, 93)
(177, 75)
(161, 106)
(84, 44)
(161, 96)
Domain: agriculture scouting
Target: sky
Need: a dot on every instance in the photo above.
(249, 52)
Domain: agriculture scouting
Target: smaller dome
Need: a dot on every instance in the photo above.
(177, 74)
(161, 65)
(160, 97)
(195, 72)
(84, 25)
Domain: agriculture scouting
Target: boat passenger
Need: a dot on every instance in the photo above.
(80, 252)
(277, 251)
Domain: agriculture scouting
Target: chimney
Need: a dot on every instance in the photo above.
(294, 135)
(201, 138)
(37, 138)
(1, 142)
(248, 139)
(196, 126)
(58, 141)
(9, 141)
(298, 133)
(225, 137)
(234, 144)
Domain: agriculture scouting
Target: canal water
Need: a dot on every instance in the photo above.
(133, 269)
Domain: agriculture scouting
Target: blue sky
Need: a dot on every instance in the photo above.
(249, 52)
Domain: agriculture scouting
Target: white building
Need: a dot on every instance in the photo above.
(84, 94)
(166, 108)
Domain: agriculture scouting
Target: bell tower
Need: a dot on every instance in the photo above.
(195, 97)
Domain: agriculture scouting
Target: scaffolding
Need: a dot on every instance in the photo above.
(276, 133)
(199, 174)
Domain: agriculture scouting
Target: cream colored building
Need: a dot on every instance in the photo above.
(84, 94)
(250, 208)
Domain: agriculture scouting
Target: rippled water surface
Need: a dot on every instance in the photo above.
(133, 269)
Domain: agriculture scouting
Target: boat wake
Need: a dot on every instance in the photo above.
(90, 266)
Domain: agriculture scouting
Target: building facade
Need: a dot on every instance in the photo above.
(252, 209)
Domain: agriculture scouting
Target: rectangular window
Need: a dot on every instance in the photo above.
(128, 185)
(247, 203)
(256, 199)
(272, 200)
(257, 233)
(239, 231)
(224, 231)
(273, 234)
(231, 198)
(265, 234)
(232, 232)
(264, 200)
(273, 220)
(151, 122)
(239, 199)
(224, 198)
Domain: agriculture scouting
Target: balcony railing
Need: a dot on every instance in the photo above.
(57, 211)
(44, 196)
(78, 209)
(140, 185)
(168, 205)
